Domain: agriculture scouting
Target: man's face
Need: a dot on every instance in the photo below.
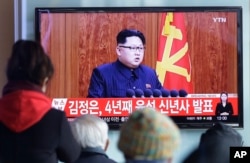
(131, 53)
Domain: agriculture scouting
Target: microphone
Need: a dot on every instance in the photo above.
(139, 93)
(183, 93)
(165, 92)
(174, 93)
(130, 93)
(157, 93)
(148, 93)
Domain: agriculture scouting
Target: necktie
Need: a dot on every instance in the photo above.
(133, 74)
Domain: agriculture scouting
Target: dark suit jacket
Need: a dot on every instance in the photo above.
(114, 79)
(94, 155)
(220, 109)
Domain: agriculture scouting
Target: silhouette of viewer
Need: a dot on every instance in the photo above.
(149, 137)
(30, 130)
(214, 146)
(91, 132)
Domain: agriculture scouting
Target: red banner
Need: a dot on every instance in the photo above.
(173, 62)
(193, 105)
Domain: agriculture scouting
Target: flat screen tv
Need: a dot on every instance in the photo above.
(197, 50)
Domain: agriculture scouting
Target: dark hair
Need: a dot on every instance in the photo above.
(221, 131)
(215, 145)
(122, 35)
(29, 62)
(224, 93)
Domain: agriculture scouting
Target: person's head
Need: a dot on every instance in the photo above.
(149, 135)
(215, 145)
(90, 131)
(223, 96)
(29, 62)
(130, 47)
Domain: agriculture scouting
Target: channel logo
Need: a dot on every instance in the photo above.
(239, 154)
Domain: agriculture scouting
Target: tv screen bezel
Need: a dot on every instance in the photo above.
(237, 9)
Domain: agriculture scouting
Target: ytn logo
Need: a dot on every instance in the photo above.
(219, 20)
(239, 154)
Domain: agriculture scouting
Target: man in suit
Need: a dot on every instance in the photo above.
(127, 72)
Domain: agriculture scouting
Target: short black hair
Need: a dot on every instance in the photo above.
(122, 35)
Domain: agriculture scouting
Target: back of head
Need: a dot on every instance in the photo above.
(215, 145)
(221, 132)
(149, 135)
(29, 62)
(90, 131)
(122, 35)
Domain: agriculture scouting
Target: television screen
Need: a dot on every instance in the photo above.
(196, 53)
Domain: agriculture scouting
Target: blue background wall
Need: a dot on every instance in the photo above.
(24, 28)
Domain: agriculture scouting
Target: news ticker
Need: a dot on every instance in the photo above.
(239, 154)
(185, 106)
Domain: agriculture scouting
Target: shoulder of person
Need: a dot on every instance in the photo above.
(105, 66)
(146, 68)
(55, 114)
